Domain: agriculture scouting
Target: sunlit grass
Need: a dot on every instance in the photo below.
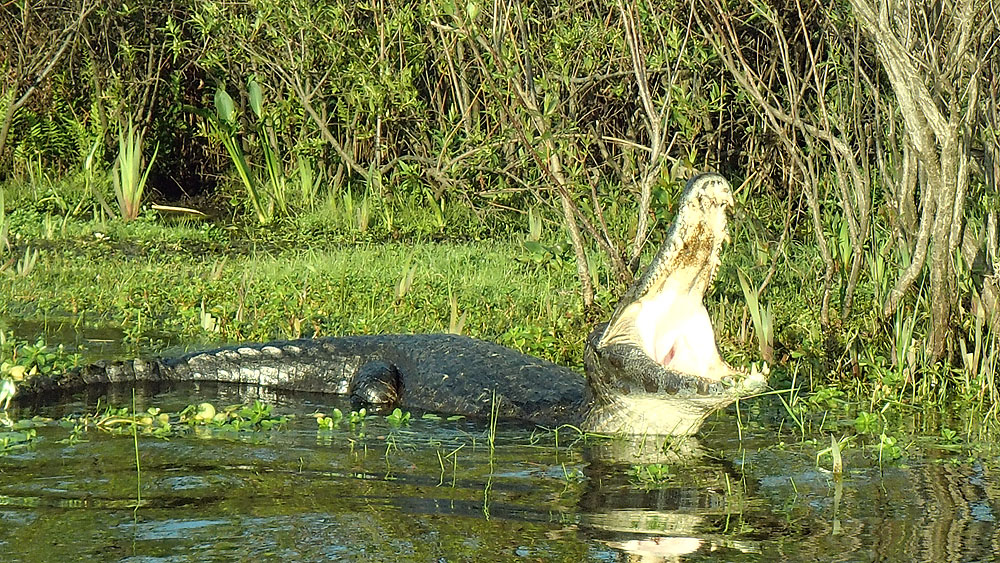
(353, 288)
(342, 268)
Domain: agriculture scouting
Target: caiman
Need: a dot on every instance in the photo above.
(654, 368)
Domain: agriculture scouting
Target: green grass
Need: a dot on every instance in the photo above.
(151, 279)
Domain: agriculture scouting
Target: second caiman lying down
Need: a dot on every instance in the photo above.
(654, 368)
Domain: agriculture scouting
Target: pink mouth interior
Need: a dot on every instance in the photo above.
(666, 359)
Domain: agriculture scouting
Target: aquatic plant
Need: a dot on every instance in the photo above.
(21, 435)
(138, 464)
(130, 173)
(398, 417)
(651, 475)
(225, 127)
(354, 418)
(20, 359)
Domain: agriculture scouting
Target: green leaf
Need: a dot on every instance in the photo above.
(549, 103)
(224, 106)
(256, 98)
(7, 391)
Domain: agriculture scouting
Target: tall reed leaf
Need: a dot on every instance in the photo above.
(225, 127)
(762, 317)
(256, 98)
(274, 165)
(129, 176)
(224, 106)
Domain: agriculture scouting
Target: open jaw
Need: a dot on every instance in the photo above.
(655, 368)
(674, 330)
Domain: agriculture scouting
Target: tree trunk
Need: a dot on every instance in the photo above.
(935, 82)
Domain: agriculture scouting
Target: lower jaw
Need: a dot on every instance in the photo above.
(670, 415)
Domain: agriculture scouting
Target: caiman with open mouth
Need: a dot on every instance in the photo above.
(654, 368)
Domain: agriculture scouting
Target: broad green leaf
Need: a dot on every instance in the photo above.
(256, 98)
(224, 106)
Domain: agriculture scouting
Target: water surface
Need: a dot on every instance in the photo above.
(434, 490)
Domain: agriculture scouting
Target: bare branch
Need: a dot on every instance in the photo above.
(47, 63)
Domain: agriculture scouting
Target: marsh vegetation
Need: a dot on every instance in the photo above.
(181, 175)
(865, 236)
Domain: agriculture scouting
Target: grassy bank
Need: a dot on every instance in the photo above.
(344, 176)
(161, 283)
(203, 285)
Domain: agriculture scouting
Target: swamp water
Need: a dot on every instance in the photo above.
(435, 490)
(432, 490)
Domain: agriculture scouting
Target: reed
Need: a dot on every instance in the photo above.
(130, 173)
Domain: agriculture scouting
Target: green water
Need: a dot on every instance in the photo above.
(433, 491)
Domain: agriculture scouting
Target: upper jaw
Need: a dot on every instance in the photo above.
(662, 313)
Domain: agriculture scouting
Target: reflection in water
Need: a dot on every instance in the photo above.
(430, 490)
(921, 509)
(655, 548)
(951, 509)
(664, 520)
